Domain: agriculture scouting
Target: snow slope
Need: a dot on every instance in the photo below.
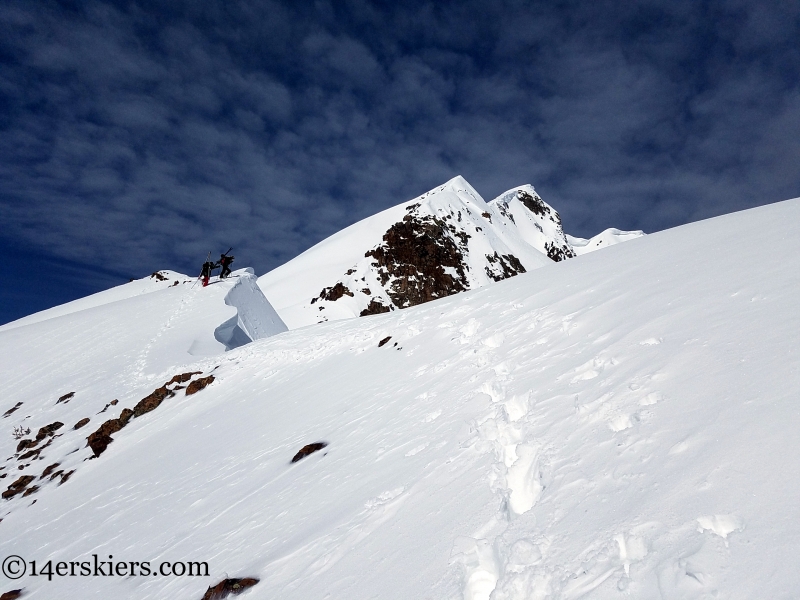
(142, 325)
(445, 241)
(620, 425)
(604, 239)
(157, 281)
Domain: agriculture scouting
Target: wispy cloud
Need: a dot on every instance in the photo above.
(138, 136)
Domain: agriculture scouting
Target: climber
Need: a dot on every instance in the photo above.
(205, 274)
(225, 262)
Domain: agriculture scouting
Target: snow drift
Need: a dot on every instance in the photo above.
(255, 318)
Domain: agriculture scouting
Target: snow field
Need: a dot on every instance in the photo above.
(618, 425)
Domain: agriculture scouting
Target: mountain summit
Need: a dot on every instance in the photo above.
(446, 241)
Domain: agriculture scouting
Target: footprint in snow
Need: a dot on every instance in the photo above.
(432, 416)
(495, 341)
(721, 525)
(651, 398)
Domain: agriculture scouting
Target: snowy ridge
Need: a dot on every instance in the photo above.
(604, 239)
(619, 426)
(155, 282)
(443, 242)
(523, 210)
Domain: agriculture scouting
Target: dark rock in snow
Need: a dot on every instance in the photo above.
(48, 470)
(152, 401)
(374, 308)
(99, 442)
(12, 595)
(65, 398)
(48, 430)
(23, 444)
(100, 439)
(12, 409)
(335, 292)
(503, 266)
(535, 205)
(183, 377)
(228, 587)
(384, 340)
(558, 253)
(30, 454)
(412, 259)
(18, 486)
(198, 384)
(309, 449)
(81, 423)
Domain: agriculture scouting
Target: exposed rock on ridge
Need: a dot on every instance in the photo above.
(412, 261)
(446, 241)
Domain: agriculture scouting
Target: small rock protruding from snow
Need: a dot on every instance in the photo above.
(227, 587)
(308, 449)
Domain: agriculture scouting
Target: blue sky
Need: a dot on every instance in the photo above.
(135, 137)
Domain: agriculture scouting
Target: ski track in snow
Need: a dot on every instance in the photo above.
(137, 372)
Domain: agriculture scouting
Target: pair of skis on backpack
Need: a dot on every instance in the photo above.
(224, 263)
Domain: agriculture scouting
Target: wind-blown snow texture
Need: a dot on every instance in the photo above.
(443, 242)
(619, 425)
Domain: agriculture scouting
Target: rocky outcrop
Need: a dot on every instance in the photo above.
(446, 242)
(99, 440)
(26, 443)
(503, 266)
(18, 486)
(48, 430)
(535, 204)
(558, 253)
(152, 401)
(420, 260)
(198, 384)
(375, 307)
(546, 234)
(333, 293)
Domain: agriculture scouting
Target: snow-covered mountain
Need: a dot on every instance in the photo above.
(446, 241)
(618, 425)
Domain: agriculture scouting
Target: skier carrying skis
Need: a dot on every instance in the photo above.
(225, 262)
(205, 274)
